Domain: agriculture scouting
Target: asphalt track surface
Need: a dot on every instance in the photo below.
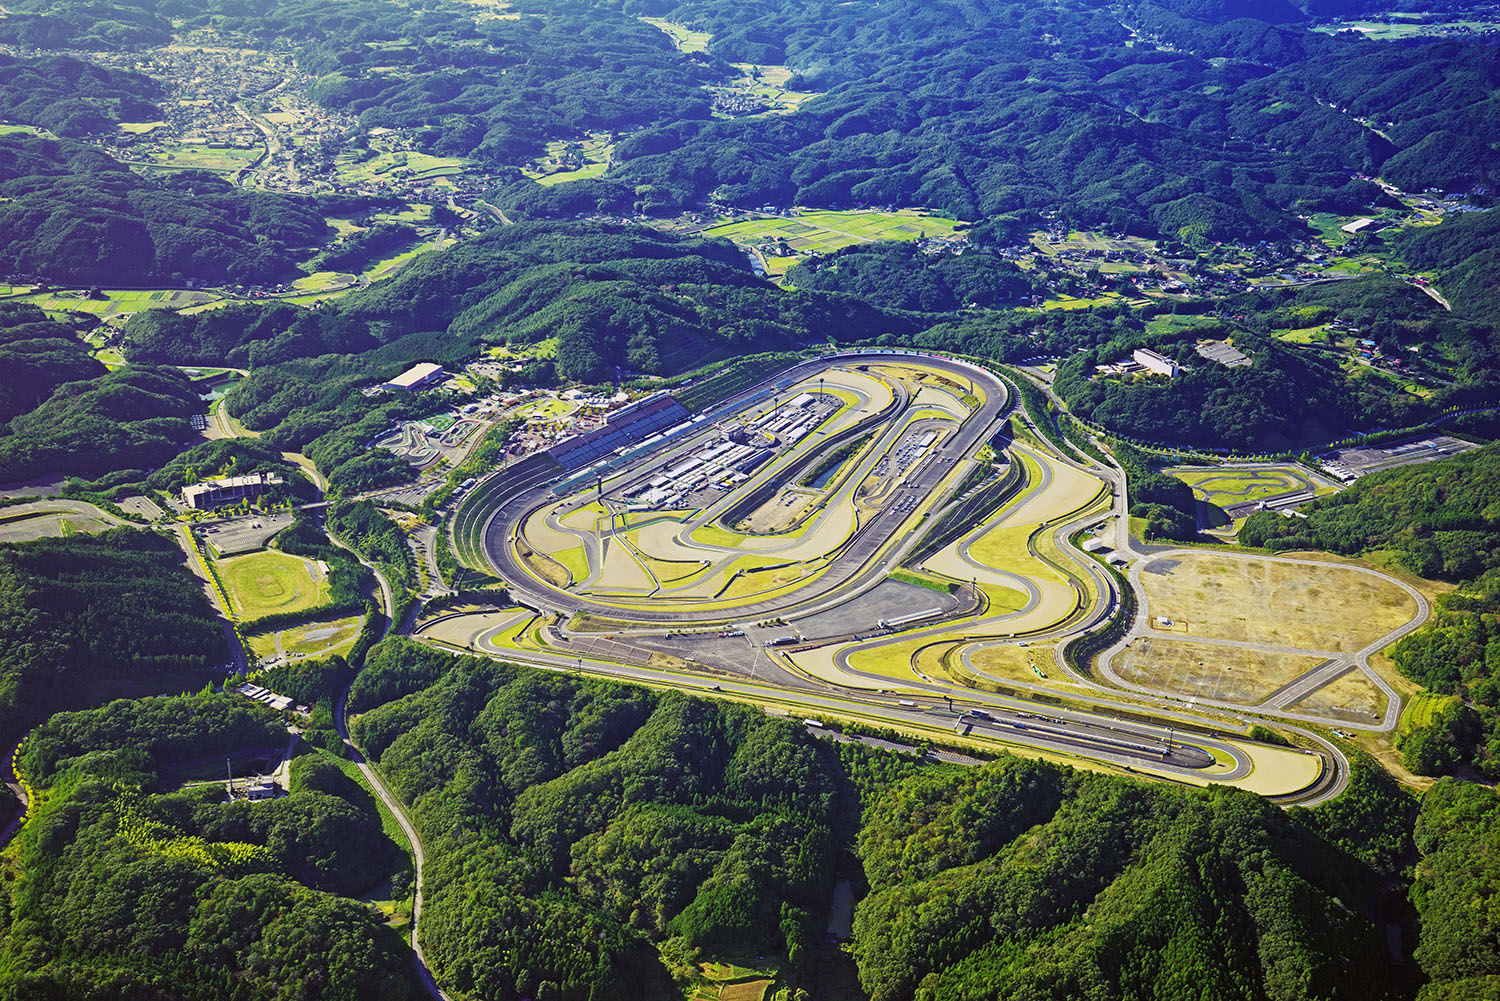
(1128, 743)
(852, 571)
(1125, 740)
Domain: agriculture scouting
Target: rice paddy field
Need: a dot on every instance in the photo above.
(829, 230)
(185, 156)
(112, 302)
(406, 164)
(781, 242)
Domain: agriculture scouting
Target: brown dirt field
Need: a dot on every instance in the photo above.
(1210, 671)
(1353, 697)
(1281, 604)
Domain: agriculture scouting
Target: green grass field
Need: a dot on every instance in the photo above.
(398, 164)
(1422, 709)
(686, 39)
(221, 159)
(1236, 486)
(320, 638)
(115, 302)
(827, 231)
(1386, 31)
(269, 582)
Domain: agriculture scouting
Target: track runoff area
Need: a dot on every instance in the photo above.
(858, 537)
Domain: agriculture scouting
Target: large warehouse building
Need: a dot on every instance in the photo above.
(416, 377)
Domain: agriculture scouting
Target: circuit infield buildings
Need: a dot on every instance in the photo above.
(886, 533)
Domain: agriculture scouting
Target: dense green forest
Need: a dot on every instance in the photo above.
(1441, 518)
(994, 108)
(1286, 397)
(86, 615)
(120, 884)
(617, 299)
(596, 837)
(1464, 251)
(37, 354)
(586, 838)
(362, 526)
(903, 276)
(132, 418)
(71, 97)
(69, 212)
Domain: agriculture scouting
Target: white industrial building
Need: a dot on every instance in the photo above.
(1153, 361)
(418, 376)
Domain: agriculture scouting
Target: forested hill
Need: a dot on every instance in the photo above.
(132, 418)
(1465, 251)
(70, 213)
(1215, 124)
(71, 97)
(1212, 120)
(85, 615)
(126, 891)
(611, 295)
(37, 354)
(1442, 518)
(573, 824)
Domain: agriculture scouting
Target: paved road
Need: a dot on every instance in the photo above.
(1044, 726)
(419, 858)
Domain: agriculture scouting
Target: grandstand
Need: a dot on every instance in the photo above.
(623, 427)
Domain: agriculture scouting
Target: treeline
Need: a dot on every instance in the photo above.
(998, 110)
(1285, 397)
(37, 354)
(84, 614)
(616, 298)
(585, 836)
(903, 276)
(359, 250)
(70, 213)
(1075, 885)
(1167, 503)
(595, 820)
(1441, 518)
(133, 890)
(233, 457)
(72, 98)
(132, 418)
(362, 526)
(1464, 251)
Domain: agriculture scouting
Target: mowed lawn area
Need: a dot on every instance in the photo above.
(268, 582)
(319, 638)
(1225, 487)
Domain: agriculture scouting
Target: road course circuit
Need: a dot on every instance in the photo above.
(1060, 592)
(854, 563)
